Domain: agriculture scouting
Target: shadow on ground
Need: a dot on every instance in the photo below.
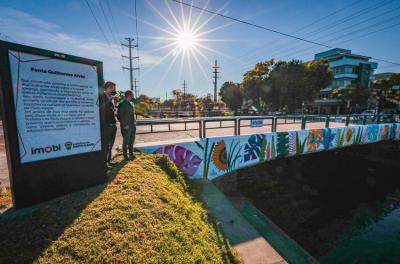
(26, 233)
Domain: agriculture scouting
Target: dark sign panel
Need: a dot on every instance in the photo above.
(52, 122)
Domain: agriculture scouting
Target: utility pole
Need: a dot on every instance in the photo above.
(184, 93)
(216, 67)
(130, 46)
(136, 88)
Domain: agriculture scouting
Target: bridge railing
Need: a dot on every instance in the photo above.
(235, 125)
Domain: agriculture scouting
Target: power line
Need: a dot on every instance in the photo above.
(329, 26)
(341, 21)
(268, 29)
(137, 37)
(257, 52)
(302, 28)
(112, 16)
(251, 24)
(97, 22)
(107, 22)
(332, 25)
(349, 33)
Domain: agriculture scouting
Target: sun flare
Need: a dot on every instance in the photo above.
(186, 40)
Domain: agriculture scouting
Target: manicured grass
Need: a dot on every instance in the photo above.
(146, 214)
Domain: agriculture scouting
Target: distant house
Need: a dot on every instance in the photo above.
(350, 71)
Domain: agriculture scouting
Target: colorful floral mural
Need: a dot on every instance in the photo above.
(219, 156)
(254, 146)
(371, 133)
(328, 137)
(213, 157)
(349, 134)
(185, 159)
(314, 139)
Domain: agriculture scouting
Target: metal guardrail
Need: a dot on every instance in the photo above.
(236, 123)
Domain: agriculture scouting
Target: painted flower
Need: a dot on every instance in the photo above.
(219, 156)
(185, 159)
(384, 132)
(314, 139)
(349, 134)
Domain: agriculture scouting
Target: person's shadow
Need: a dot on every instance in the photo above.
(26, 233)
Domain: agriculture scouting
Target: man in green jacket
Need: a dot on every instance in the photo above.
(127, 119)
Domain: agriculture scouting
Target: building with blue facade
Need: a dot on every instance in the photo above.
(350, 71)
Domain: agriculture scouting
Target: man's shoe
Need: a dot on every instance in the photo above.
(132, 157)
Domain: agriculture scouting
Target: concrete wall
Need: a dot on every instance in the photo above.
(216, 156)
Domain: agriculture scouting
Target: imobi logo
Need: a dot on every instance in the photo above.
(47, 149)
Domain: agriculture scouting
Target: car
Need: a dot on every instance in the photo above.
(369, 114)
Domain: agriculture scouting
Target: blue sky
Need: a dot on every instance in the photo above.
(68, 26)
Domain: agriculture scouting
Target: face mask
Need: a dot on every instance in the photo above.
(113, 93)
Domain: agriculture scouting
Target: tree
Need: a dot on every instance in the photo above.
(255, 82)
(143, 104)
(232, 95)
(207, 103)
(285, 84)
(318, 76)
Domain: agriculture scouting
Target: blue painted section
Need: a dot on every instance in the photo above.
(216, 156)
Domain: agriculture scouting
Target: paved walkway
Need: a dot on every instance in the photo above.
(163, 135)
(248, 242)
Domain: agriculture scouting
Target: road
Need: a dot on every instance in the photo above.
(213, 130)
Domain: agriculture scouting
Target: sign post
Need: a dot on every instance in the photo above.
(52, 122)
(256, 123)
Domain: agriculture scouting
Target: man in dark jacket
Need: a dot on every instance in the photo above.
(106, 100)
(127, 119)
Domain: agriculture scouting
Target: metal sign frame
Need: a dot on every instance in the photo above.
(42, 180)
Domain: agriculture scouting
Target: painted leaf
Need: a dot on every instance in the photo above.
(252, 149)
(282, 144)
(185, 159)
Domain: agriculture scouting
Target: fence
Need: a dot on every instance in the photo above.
(203, 125)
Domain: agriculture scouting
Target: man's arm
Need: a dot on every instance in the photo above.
(123, 115)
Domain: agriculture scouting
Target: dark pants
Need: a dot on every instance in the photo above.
(110, 138)
(128, 140)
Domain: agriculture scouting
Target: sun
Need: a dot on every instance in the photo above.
(186, 40)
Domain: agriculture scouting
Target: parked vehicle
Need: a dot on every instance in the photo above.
(370, 114)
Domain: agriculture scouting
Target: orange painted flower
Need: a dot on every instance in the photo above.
(314, 139)
(349, 134)
(219, 156)
(385, 132)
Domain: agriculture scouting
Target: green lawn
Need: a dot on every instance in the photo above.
(146, 214)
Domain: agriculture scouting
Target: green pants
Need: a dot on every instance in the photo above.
(128, 140)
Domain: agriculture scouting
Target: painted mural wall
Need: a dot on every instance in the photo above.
(216, 156)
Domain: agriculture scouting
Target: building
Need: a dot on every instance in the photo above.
(350, 71)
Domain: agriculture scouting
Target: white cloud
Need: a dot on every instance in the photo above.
(29, 30)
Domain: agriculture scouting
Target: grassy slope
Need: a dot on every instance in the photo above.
(144, 215)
